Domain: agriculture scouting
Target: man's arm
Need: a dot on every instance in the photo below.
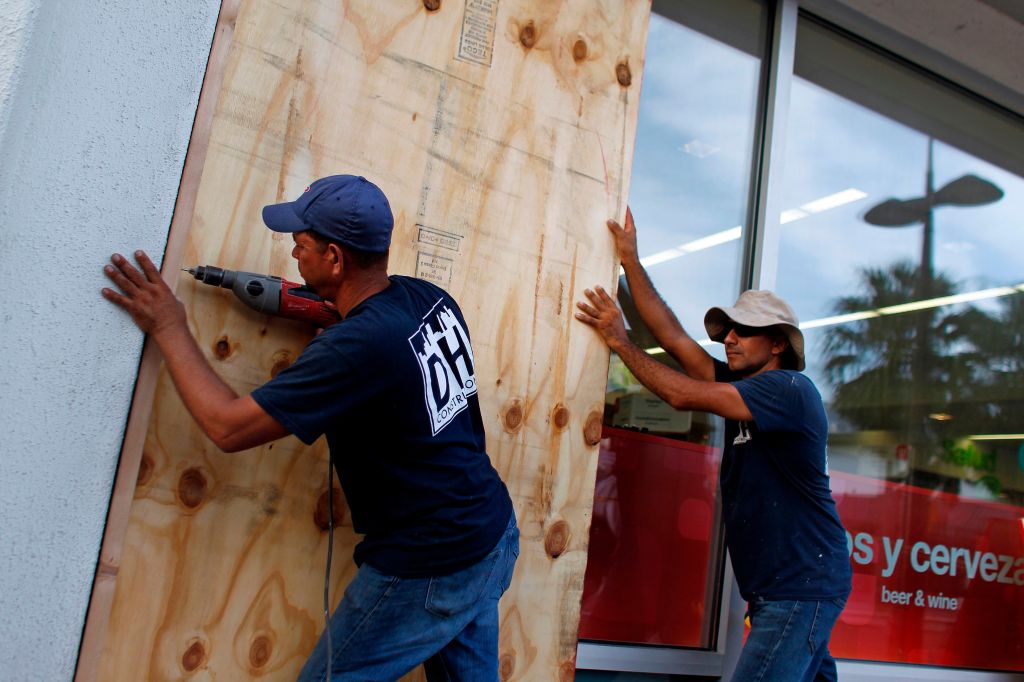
(233, 423)
(677, 389)
(662, 322)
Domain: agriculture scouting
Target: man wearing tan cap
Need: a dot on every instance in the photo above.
(787, 544)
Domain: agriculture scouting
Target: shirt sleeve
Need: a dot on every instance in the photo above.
(317, 389)
(776, 399)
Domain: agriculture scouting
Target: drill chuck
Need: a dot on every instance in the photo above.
(212, 275)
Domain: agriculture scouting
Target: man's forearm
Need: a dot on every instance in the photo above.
(663, 381)
(203, 392)
(677, 389)
(655, 313)
(664, 324)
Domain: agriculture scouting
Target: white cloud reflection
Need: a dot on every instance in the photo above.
(825, 203)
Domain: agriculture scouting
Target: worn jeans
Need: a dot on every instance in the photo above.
(385, 626)
(788, 642)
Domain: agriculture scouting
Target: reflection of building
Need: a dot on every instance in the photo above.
(745, 176)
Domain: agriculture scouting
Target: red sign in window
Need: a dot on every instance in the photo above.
(650, 541)
(938, 578)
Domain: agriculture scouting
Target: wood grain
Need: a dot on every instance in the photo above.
(502, 133)
(118, 514)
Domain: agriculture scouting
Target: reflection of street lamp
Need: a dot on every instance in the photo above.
(967, 190)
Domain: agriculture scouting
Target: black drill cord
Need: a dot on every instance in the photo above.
(330, 553)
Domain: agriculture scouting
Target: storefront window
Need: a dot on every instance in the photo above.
(902, 255)
(655, 556)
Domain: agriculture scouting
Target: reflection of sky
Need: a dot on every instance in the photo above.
(833, 144)
(691, 169)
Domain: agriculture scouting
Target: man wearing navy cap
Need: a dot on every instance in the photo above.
(785, 539)
(393, 387)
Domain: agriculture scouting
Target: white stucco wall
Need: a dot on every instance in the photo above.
(16, 22)
(96, 107)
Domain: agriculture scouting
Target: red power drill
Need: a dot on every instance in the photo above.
(269, 294)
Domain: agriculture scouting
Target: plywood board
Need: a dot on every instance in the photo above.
(502, 132)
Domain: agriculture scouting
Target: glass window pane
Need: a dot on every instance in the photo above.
(901, 250)
(655, 556)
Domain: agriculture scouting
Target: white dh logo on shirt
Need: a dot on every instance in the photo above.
(743, 436)
(446, 362)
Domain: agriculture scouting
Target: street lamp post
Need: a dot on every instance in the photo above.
(967, 190)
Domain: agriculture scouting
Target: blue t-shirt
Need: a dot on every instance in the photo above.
(781, 524)
(393, 386)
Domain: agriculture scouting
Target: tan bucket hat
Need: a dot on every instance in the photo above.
(758, 308)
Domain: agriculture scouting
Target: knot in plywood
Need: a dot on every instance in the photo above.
(280, 360)
(592, 429)
(528, 35)
(432, 5)
(260, 651)
(506, 665)
(194, 656)
(513, 416)
(320, 514)
(579, 50)
(623, 74)
(192, 487)
(223, 348)
(560, 416)
(556, 540)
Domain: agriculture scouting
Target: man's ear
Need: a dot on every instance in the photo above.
(779, 344)
(334, 255)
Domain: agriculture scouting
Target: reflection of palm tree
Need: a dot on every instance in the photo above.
(887, 375)
(992, 401)
(973, 363)
(871, 361)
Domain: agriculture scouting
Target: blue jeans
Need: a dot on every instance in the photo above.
(788, 642)
(385, 626)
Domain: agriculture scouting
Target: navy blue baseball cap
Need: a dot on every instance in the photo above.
(348, 209)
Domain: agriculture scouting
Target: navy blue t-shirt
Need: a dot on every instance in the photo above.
(393, 386)
(781, 524)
